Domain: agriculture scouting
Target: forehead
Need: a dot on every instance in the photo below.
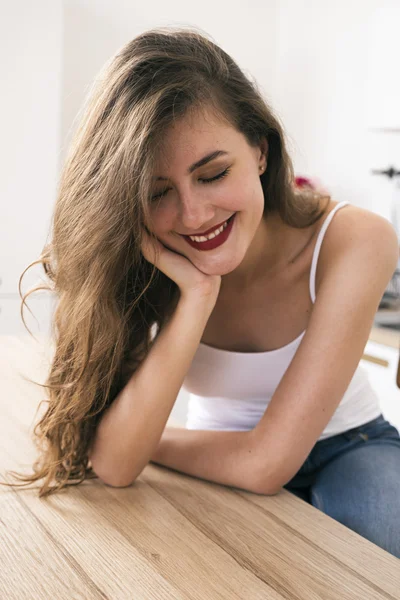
(192, 136)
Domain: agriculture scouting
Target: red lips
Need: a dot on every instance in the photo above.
(208, 230)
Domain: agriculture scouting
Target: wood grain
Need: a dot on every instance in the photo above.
(167, 536)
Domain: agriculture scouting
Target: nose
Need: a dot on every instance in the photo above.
(195, 212)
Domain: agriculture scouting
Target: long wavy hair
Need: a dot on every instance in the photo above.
(109, 298)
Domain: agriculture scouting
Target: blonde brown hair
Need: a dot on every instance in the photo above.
(108, 296)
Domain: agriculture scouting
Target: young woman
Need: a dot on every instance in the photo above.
(183, 255)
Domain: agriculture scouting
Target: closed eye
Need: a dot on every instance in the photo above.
(219, 176)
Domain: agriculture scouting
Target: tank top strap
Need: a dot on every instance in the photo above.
(318, 247)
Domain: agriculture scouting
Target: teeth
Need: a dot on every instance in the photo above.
(204, 238)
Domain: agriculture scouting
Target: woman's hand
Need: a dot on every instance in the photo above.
(190, 280)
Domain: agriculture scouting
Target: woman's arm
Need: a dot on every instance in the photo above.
(357, 259)
(224, 457)
(131, 428)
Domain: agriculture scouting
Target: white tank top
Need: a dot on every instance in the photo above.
(231, 390)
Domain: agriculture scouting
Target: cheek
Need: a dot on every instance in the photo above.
(247, 196)
(162, 219)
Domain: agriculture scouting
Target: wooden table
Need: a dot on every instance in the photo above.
(385, 336)
(168, 536)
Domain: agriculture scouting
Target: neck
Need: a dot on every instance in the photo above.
(275, 247)
(266, 254)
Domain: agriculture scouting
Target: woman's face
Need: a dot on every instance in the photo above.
(184, 203)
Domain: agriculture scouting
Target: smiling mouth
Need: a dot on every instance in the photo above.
(209, 231)
(214, 240)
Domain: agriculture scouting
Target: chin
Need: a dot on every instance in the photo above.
(218, 268)
(216, 271)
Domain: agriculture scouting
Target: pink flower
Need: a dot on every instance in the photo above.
(303, 182)
(310, 183)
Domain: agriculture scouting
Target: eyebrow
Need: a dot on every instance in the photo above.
(203, 161)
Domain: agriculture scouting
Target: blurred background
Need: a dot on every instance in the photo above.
(329, 69)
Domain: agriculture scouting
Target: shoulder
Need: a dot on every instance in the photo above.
(351, 222)
(360, 238)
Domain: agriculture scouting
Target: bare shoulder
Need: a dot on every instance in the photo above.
(360, 236)
(354, 223)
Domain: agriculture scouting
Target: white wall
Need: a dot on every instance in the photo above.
(30, 120)
(331, 91)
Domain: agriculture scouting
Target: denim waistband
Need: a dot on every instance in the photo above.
(355, 431)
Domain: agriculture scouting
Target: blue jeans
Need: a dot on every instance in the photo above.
(354, 477)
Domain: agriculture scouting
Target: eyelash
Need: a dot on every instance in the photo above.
(220, 176)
